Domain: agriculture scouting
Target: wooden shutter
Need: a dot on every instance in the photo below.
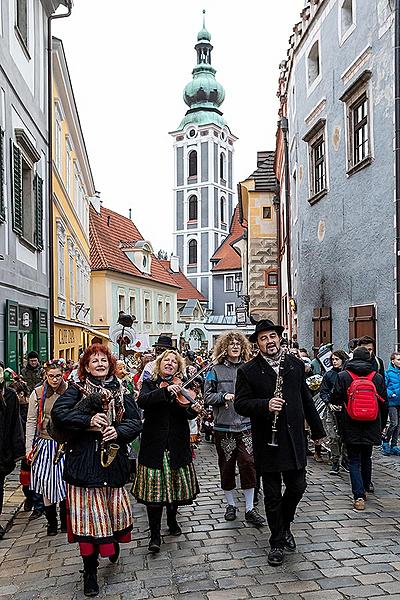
(16, 178)
(38, 194)
(11, 335)
(362, 321)
(322, 325)
(2, 199)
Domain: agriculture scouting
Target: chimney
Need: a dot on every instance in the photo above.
(174, 263)
(108, 220)
(130, 214)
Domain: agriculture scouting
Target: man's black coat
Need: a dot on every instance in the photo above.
(255, 386)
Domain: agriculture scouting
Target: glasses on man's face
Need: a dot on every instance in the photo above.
(235, 344)
(54, 376)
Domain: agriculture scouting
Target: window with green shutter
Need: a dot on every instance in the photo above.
(38, 191)
(17, 200)
(2, 161)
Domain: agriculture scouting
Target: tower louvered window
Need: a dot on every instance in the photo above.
(2, 161)
(38, 192)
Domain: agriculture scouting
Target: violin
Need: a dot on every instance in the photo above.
(184, 397)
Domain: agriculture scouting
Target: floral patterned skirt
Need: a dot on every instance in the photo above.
(165, 485)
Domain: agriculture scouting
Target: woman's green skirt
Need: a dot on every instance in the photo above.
(165, 485)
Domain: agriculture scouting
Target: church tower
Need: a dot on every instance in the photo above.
(203, 178)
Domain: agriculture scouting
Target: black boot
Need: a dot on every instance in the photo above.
(154, 514)
(51, 516)
(173, 526)
(90, 585)
(63, 516)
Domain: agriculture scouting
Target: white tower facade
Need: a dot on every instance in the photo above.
(204, 198)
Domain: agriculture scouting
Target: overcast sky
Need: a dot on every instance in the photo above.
(129, 62)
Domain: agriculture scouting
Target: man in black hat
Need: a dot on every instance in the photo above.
(164, 342)
(274, 382)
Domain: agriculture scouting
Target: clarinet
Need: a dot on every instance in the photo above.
(277, 394)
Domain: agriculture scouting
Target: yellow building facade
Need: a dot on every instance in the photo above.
(73, 190)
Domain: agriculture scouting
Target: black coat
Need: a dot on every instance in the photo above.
(327, 385)
(165, 427)
(12, 439)
(82, 458)
(360, 432)
(255, 386)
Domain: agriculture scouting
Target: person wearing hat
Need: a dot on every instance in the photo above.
(164, 342)
(33, 373)
(360, 436)
(257, 396)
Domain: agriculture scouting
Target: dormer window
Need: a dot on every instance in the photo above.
(139, 253)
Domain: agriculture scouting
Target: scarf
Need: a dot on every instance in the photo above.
(114, 406)
(274, 361)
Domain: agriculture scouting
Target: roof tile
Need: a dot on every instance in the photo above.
(187, 291)
(225, 257)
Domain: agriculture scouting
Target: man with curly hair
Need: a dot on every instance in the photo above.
(232, 433)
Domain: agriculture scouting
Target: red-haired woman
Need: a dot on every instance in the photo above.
(104, 417)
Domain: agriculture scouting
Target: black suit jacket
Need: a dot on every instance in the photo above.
(255, 386)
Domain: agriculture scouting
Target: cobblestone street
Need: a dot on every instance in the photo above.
(341, 553)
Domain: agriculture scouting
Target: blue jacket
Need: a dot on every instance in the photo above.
(392, 378)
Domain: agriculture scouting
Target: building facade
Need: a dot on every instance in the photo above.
(126, 276)
(257, 213)
(73, 187)
(24, 155)
(338, 83)
(204, 198)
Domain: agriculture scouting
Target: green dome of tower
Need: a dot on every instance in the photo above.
(203, 95)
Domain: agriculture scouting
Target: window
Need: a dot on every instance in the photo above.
(267, 212)
(229, 283)
(21, 20)
(168, 312)
(313, 65)
(71, 278)
(358, 108)
(322, 324)
(271, 279)
(27, 191)
(61, 268)
(147, 310)
(192, 252)
(132, 306)
(193, 163)
(193, 208)
(68, 165)
(58, 136)
(223, 210)
(121, 301)
(316, 161)
(222, 166)
(229, 309)
(346, 18)
(160, 312)
(362, 320)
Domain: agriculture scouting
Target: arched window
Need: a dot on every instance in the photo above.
(192, 252)
(192, 163)
(223, 210)
(193, 208)
(222, 166)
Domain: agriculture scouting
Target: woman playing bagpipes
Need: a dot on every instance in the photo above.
(101, 419)
(165, 474)
(46, 472)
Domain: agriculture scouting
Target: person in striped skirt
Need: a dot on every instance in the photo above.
(46, 477)
(101, 419)
(165, 474)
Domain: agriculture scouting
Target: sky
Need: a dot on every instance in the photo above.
(129, 62)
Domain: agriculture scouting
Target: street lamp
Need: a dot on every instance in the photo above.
(238, 283)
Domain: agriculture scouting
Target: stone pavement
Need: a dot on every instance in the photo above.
(341, 553)
(13, 499)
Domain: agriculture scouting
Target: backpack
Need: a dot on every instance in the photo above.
(362, 398)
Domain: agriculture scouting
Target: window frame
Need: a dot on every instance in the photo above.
(193, 167)
(226, 312)
(193, 199)
(269, 273)
(311, 85)
(192, 243)
(223, 210)
(22, 36)
(345, 34)
(359, 90)
(226, 277)
(268, 218)
(315, 138)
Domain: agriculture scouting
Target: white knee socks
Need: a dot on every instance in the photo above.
(230, 498)
(249, 498)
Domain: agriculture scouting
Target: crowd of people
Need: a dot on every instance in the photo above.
(84, 431)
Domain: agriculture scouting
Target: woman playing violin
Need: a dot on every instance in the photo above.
(166, 475)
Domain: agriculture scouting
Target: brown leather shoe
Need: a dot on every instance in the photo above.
(359, 504)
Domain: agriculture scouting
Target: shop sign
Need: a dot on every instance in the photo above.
(66, 336)
(25, 318)
(43, 320)
(13, 315)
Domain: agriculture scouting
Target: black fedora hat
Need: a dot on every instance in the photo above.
(265, 325)
(164, 341)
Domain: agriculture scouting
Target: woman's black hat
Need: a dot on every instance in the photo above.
(265, 325)
(164, 341)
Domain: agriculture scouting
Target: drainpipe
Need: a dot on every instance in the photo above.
(50, 169)
(397, 157)
(277, 206)
(284, 128)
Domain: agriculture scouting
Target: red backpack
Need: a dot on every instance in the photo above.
(362, 398)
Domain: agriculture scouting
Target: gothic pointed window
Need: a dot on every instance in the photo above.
(193, 163)
(192, 252)
(193, 208)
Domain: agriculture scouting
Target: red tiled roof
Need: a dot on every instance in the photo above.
(187, 291)
(225, 258)
(107, 233)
